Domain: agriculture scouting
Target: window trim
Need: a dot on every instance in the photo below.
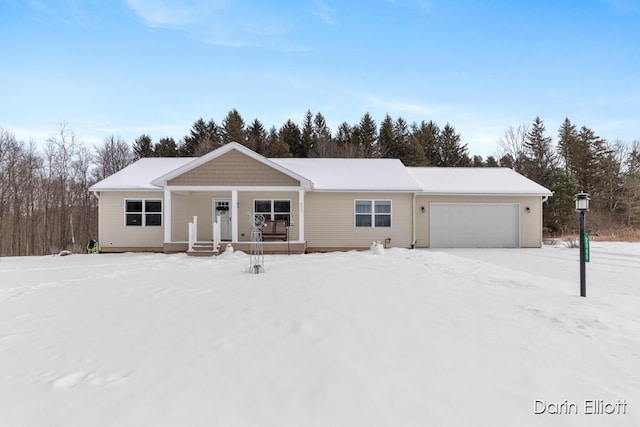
(373, 213)
(272, 213)
(144, 212)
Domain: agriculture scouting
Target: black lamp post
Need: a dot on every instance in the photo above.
(582, 206)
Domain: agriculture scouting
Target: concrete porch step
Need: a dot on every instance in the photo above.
(203, 249)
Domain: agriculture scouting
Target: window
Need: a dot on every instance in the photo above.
(143, 212)
(273, 209)
(373, 213)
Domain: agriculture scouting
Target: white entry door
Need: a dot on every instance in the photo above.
(222, 209)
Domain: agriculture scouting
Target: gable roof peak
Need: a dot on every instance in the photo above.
(218, 152)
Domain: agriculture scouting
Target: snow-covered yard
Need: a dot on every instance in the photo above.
(407, 338)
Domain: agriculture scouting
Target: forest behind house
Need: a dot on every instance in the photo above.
(46, 206)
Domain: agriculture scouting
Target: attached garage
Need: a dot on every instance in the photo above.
(474, 225)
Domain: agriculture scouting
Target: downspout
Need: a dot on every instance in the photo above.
(99, 237)
(413, 224)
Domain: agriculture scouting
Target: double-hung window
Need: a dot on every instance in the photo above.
(273, 209)
(143, 212)
(373, 213)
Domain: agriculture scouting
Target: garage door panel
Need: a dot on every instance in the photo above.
(474, 225)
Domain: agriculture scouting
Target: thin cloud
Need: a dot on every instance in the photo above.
(324, 12)
(241, 23)
(175, 13)
(400, 106)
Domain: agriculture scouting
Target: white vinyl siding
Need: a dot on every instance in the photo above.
(329, 221)
(112, 229)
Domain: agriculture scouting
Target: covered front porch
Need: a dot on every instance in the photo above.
(203, 220)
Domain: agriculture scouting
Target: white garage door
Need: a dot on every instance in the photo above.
(474, 225)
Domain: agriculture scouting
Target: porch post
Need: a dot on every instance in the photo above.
(301, 216)
(234, 215)
(167, 215)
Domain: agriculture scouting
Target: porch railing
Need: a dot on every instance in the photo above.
(193, 232)
(216, 233)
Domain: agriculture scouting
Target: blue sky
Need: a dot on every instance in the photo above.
(155, 66)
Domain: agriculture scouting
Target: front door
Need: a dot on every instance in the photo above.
(221, 208)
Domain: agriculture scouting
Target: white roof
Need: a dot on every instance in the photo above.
(478, 181)
(138, 175)
(328, 174)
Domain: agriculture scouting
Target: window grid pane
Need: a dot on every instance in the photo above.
(134, 219)
(134, 206)
(383, 220)
(282, 206)
(363, 220)
(154, 220)
(363, 206)
(152, 206)
(383, 206)
(262, 206)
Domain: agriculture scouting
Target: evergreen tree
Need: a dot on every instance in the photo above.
(453, 152)
(257, 137)
(345, 141)
(477, 162)
(289, 135)
(233, 128)
(427, 135)
(491, 162)
(203, 138)
(323, 143)
(307, 135)
(539, 157)
(385, 138)
(366, 135)
(143, 147)
(415, 155)
(558, 211)
(567, 135)
(166, 147)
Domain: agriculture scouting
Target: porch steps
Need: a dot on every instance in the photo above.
(203, 249)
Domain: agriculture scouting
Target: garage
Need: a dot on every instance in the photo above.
(474, 225)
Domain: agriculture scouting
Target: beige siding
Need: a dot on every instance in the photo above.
(114, 234)
(185, 206)
(245, 208)
(530, 222)
(330, 221)
(234, 169)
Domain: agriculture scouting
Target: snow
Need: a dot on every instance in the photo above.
(401, 338)
(464, 181)
(140, 174)
(331, 174)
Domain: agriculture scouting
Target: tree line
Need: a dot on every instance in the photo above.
(415, 144)
(45, 203)
(579, 161)
(46, 206)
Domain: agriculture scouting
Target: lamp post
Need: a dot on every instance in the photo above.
(582, 206)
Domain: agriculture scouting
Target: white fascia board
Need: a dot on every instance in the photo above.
(162, 181)
(366, 191)
(194, 189)
(433, 193)
(140, 189)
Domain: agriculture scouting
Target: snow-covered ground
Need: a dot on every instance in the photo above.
(454, 337)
